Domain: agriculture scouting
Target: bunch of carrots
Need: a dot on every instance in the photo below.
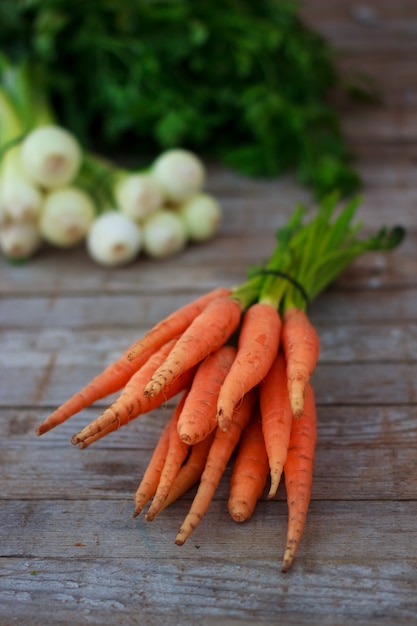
(240, 361)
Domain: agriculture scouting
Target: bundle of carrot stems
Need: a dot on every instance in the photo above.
(240, 361)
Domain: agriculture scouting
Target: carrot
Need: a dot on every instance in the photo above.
(199, 415)
(131, 403)
(149, 483)
(113, 378)
(175, 324)
(250, 471)
(276, 419)
(117, 374)
(257, 348)
(190, 472)
(176, 455)
(298, 470)
(208, 332)
(301, 347)
(220, 452)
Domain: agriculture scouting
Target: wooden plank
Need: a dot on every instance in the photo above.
(382, 36)
(353, 444)
(322, 11)
(391, 270)
(109, 471)
(340, 340)
(141, 311)
(50, 384)
(79, 573)
(384, 125)
(223, 261)
(101, 592)
(339, 426)
(93, 522)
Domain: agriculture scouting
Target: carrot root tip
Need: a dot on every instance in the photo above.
(287, 561)
(223, 421)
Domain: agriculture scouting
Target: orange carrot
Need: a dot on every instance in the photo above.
(113, 378)
(301, 347)
(199, 415)
(276, 419)
(117, 374)
(298, 471)
(257, 348)
(220, 452)
(131, 403)
(190, 472)
(175, 324)
(149, 483)
(208, 332)
(250, 471)
(176, 455)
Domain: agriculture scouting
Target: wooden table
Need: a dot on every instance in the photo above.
(71, 553)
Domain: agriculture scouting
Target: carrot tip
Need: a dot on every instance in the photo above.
(224, 423)
(275, 480)
(133, 354)
(151, 390)
(287, 561)
(179, 542)
(155, 509)
(289, 556)
(185, 438)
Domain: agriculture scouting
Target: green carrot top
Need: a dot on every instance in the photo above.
(310, 255)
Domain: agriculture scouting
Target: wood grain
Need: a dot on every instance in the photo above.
(71, 553)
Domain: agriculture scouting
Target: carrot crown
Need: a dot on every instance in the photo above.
(311, 254)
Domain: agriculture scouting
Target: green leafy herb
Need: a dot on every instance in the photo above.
(243, 81)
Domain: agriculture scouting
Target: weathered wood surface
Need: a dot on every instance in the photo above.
(70, 551)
